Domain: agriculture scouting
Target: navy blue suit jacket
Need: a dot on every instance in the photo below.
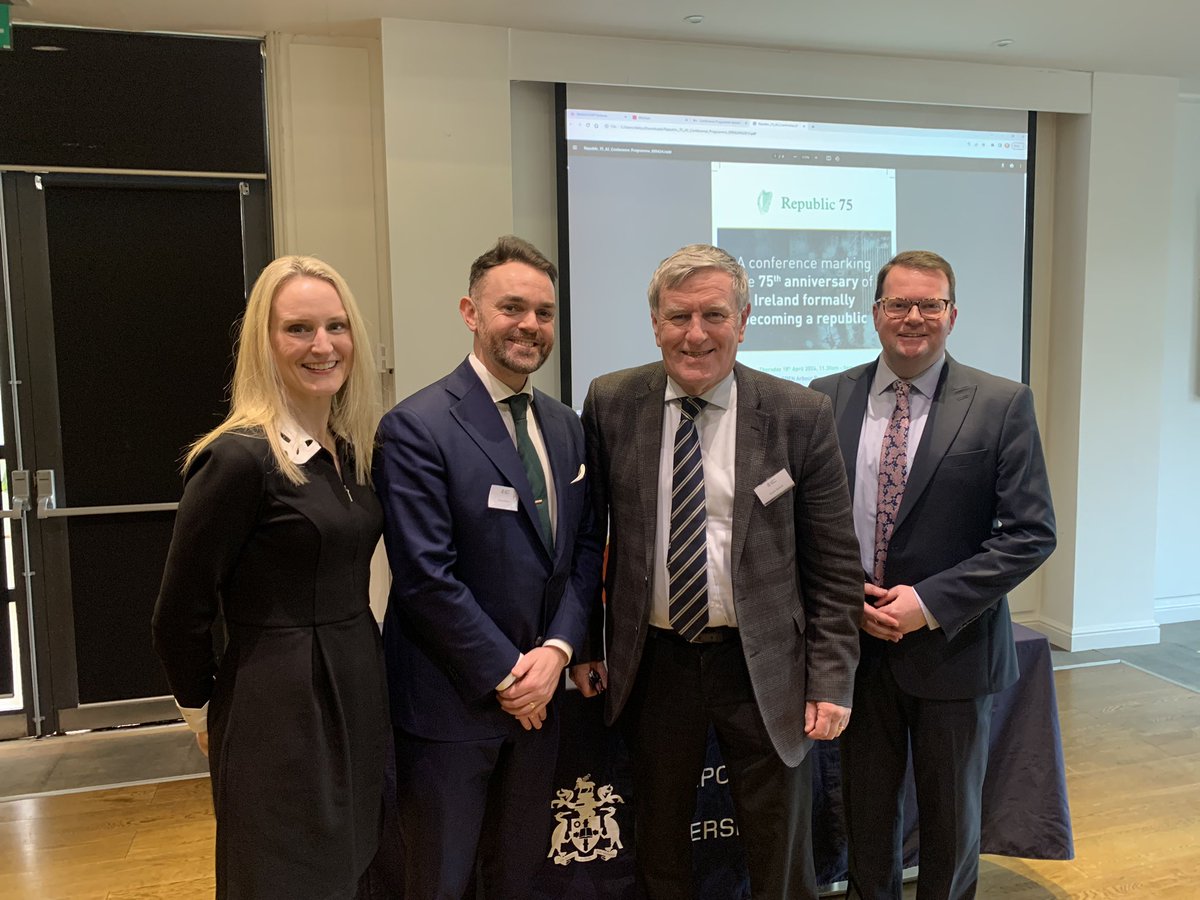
(473, 586)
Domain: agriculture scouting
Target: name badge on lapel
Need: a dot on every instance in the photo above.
(501, 496)
(779, 483)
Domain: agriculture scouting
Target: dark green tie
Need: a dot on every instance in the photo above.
(519, 404)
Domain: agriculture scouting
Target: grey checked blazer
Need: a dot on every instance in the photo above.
(797, 580)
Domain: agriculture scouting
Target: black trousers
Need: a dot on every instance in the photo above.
(680, 690)
(469, 804)
(949, 740)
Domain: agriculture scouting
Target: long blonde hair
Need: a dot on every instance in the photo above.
(258, 399)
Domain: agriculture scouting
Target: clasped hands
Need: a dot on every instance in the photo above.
(537, 674)
(891, 613)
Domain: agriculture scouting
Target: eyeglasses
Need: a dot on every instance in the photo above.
(898, 307)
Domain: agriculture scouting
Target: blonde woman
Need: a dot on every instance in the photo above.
(276, 529)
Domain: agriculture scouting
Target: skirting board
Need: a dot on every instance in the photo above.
(1132, 634)
(1170, 610)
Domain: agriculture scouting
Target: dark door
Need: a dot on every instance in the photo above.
(123, 294)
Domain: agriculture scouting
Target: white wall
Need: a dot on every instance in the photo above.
(1177, 592)
(327, 165)
(449, 172)
(454, 164)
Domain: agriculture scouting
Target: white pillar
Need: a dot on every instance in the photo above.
(1111, 238)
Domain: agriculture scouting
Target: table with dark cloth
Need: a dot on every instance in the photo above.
(1025, 811)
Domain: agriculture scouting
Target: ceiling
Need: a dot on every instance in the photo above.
(1150, 37)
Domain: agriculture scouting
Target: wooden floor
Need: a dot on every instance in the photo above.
(135, 843)
(1131, 741)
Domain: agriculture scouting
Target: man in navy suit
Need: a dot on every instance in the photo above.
(952, 511)
(493, 554)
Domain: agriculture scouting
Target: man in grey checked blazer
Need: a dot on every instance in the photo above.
(773, 669)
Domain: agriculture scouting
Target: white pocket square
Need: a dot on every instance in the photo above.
(579, 477)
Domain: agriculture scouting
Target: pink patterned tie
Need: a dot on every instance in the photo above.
(893, 465)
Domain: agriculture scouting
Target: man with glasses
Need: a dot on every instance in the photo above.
(732, 580)
(952, 511)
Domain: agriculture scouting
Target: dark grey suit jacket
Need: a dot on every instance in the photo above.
(975, 521)
(797, 581)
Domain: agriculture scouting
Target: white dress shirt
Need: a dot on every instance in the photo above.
(716, 427)
(881, 401)
(500, 392)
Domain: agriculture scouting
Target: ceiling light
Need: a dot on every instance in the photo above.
(693, 20)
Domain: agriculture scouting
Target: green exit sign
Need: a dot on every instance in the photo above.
(5, 29)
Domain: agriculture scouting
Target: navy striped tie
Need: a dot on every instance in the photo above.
(687, 554)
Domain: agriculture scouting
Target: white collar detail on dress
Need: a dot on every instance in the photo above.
(298, 445)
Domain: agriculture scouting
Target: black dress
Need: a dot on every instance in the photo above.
(298, 709)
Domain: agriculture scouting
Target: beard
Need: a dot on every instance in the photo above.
(523, 358)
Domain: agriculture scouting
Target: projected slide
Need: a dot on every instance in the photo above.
(812, 209)
(811, 240)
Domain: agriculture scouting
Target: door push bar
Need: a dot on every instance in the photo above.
(47, 508)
